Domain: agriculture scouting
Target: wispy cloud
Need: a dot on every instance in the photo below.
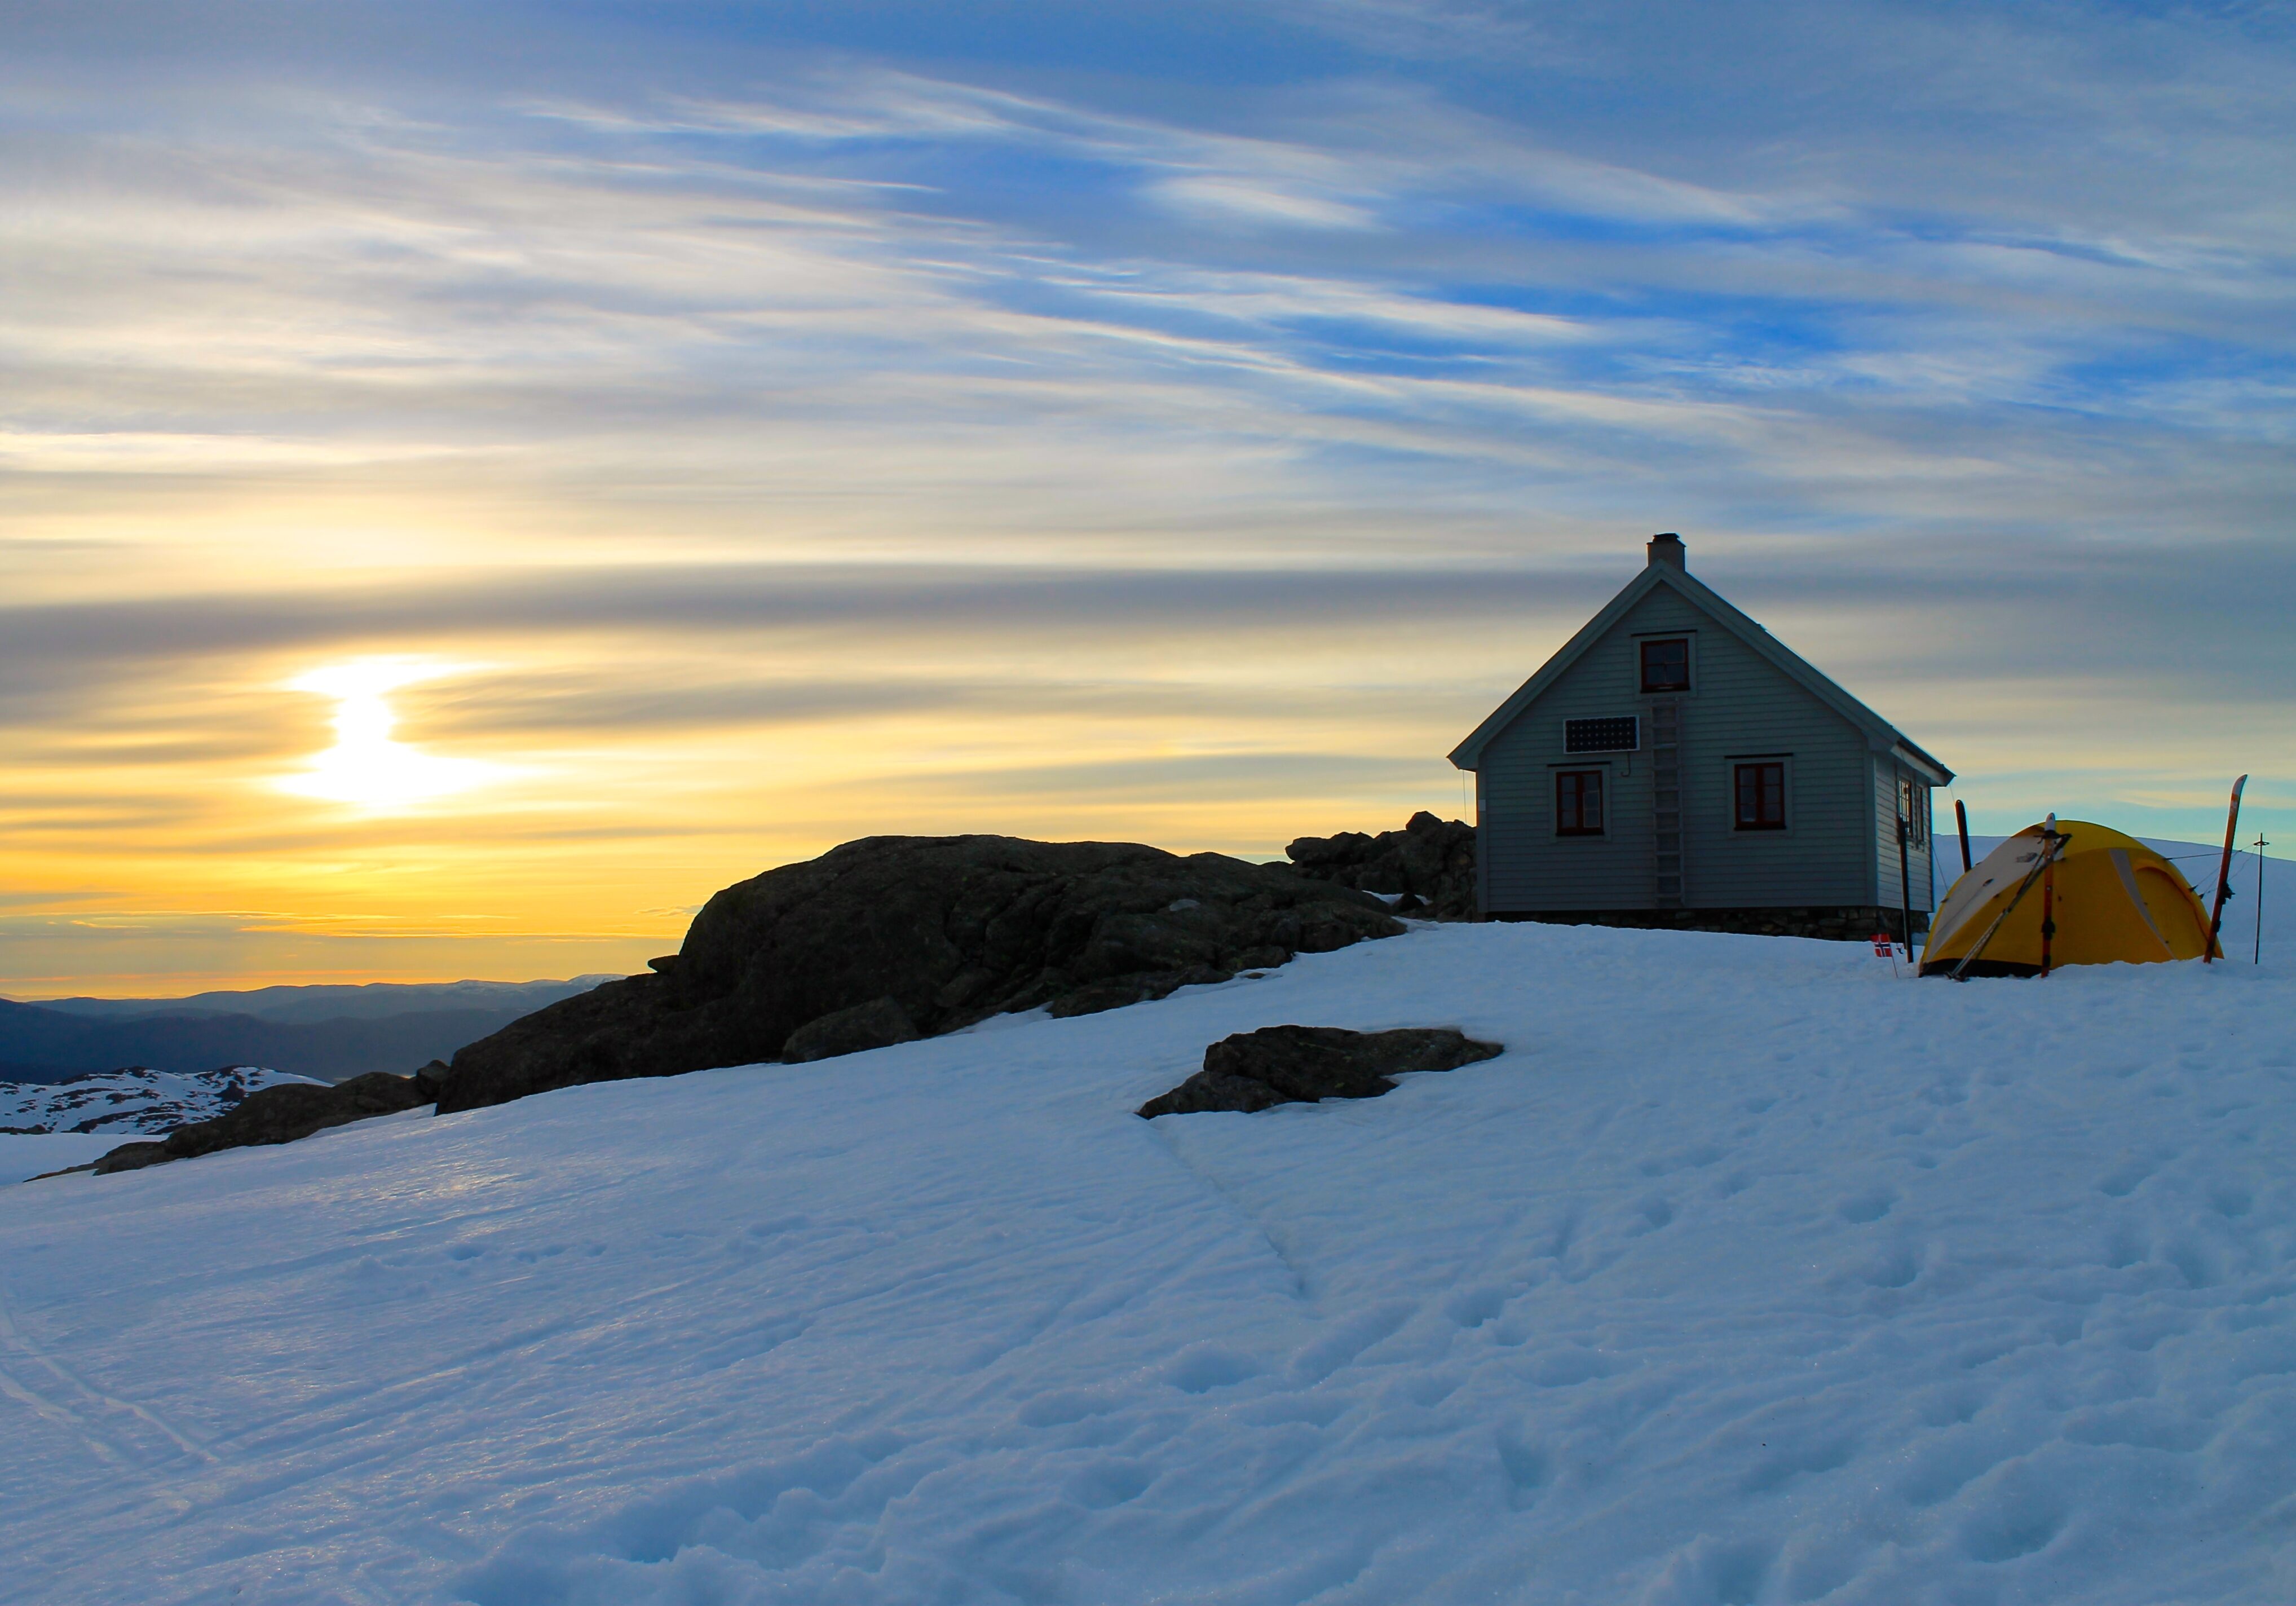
(814, 427)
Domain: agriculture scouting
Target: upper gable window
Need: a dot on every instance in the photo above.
(1666, 665)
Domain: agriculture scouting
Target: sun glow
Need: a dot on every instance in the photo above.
(365, 766)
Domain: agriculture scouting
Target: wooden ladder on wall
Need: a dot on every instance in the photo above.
(1666, 802)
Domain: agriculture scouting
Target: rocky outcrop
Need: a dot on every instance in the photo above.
(279, 1115)
(879, 1023)
(1306, 1064)
(1430, 863)
(936, 932)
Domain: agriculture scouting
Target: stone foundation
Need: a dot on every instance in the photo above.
(1851, 922)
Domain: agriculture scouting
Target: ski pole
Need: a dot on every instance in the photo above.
(2258, 957)
(2048, 851)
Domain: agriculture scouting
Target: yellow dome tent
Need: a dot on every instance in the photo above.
(2114, 901)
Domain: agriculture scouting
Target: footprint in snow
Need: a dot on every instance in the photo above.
(1524, 1464)
(2123, 1250)
(2124, 1178)
(1952, 1404)
(1110, 1483)
(1656, 1211)
(1869, 1206)
(1712, 1572)
(1895, 1269)
(1350, 1338)
(1201, 1368)
(2231, 1201)
(2193, 1263)
(1789, 1456)
(2017, 1515)
(1566, 1367)
(1063, 1407)
(1473, 1306)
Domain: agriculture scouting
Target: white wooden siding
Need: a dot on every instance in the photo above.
(1887, 772)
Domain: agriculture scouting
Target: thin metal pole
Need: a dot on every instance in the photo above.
(1961, 818)
(1905, 889)
(2258, 957)
(2048, 892)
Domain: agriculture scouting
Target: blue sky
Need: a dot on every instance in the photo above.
(765, 423)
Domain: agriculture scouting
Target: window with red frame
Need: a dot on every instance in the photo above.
(1762, 796)
(1578, 803)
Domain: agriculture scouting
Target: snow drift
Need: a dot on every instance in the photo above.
(1748, 1272)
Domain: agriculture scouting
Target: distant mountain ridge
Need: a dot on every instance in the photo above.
(46, 1043)
(309, 1006)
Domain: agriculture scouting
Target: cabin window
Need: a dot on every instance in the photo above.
(1666, 665)
(1762, 796)
(1914, 808)
(1578, 803)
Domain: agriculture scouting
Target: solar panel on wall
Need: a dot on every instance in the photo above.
(1620, 736)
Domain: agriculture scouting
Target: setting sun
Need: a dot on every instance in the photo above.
(367, 767)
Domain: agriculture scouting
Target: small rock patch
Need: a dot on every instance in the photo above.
(1306, 1064)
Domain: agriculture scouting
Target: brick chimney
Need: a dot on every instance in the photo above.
(1667, 549)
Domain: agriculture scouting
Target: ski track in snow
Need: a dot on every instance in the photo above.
(1748, 1274)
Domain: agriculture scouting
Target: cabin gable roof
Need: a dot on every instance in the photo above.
(1881, 735)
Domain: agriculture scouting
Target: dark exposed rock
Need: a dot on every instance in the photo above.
(1431, 862)
(951, 929)
(879, 1023)
(1304, 1064)
(1139, 989)
(278, 1115)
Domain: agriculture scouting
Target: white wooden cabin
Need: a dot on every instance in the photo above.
(1676, 765)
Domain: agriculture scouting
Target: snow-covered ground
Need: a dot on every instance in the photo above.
(1749, 1273)
(23, 1156)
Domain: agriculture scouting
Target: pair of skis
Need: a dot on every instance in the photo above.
(2223, 879)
